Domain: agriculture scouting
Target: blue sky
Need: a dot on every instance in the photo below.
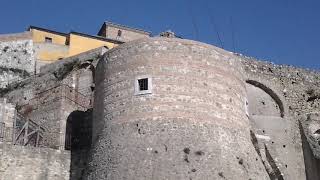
(281, 31)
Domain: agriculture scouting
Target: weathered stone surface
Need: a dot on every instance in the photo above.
(16, 60)
(192, 126)
(27, 163)
(210, 114)
(292, 94)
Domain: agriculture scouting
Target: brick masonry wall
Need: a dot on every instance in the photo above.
(192, 126)
(27, 163)
(126, 35)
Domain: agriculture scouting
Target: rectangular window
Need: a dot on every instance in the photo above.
(48, 40)
(143, 85)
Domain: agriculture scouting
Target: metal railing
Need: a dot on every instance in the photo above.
(62, 91)
(24, 132)
(29, 134)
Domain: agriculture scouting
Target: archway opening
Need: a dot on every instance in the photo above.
(78, 130)
(264, 100)
(78, 140)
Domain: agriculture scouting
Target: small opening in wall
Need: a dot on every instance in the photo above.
(119, 33)
(143, 84)
(48, 40)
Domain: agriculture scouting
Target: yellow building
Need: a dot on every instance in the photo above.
(80, 42)
(52, 45)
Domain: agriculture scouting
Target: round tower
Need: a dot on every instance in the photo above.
(168, 108)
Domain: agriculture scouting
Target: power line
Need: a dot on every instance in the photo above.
(232, 35)
(193, 20)
(213, 24)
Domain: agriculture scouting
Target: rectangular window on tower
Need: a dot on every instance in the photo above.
(143, 85)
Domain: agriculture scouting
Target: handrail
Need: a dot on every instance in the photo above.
(21, 117)
(78, 94)
(25, 133)
(60, 85)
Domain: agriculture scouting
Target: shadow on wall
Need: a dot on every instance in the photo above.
(78, 140)
(312, 164)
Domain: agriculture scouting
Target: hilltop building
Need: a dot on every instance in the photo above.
(123, 105)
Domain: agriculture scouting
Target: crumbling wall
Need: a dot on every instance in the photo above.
(28, 163)
(16, 60)
(310, 144)
(294, 94)
(49, 97)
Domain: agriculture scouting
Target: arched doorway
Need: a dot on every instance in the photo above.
(78, 141)
(78, 130)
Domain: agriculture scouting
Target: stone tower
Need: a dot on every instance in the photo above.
(169, 108)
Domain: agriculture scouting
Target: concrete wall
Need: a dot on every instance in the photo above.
(192, 126)
(27, 163)
(49, 52)
(80, 44)
(38, 36)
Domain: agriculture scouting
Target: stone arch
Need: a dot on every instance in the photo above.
(78, 130)
(271, 93)
(78, 141)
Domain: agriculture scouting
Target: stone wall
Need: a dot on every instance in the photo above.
(16, 60)
(7, 113)
(195, 122)
(290, 94)
(191, 123)
(52, 95)
(27, 163)
(17, 55)
(127, 34)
